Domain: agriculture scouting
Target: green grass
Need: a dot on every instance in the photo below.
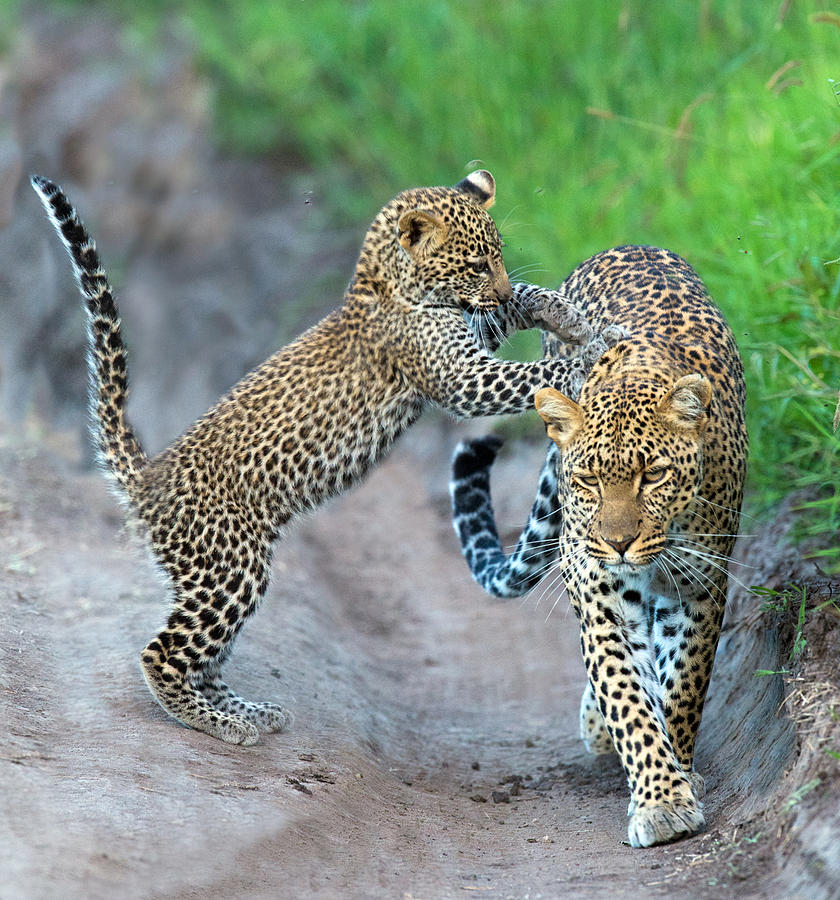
(711, 128)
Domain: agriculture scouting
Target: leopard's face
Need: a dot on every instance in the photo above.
(452, 245)
(631, 462)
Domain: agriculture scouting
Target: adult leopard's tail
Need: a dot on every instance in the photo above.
(116, 445)
(475, 524)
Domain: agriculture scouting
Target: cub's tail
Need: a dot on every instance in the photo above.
(116, 445)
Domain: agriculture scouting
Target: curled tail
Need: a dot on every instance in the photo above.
(116, 445)
(475, 525)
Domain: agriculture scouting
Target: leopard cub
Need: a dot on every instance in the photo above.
(311, 420)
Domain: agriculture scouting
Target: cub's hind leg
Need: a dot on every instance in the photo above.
(268, 717)
(218, 564)
(170, 676)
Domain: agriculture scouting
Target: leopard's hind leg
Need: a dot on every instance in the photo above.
(593, 728)
(218, 565)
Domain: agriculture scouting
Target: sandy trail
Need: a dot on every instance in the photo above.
(416, 698)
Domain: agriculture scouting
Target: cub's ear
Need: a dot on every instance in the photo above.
(481, 185)
(421, 232)
(562, 415)
(686, 405)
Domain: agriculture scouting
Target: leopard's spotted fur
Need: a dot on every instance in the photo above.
(310, 421)
(644, 489)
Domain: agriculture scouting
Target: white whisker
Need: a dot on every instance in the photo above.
(692, 573)
(729, 509)
(496, 329)
(685, 542)
(539, 553)
(662, 565)
(559, 597)
(712, 563)
(563, 565)
(529, 268)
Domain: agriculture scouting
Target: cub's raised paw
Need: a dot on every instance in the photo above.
(577, 373)
(612, 334)
(593, 351)
(650, 825)
(600, 343)
(556, 314)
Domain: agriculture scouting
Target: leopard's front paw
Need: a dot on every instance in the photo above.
(269, 717)
(650, 825)
(698, 784)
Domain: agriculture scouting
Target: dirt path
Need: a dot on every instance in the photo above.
(417, 701)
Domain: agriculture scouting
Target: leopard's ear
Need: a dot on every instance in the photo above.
(686, 405)
(421, 232)
(481, 185)
(562, 415)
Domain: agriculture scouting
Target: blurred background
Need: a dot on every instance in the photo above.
(229, 156)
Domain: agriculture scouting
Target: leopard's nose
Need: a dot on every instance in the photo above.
(622, 544)
(504, 289)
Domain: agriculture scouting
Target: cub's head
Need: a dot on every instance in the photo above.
(449, 244)
(631, 460)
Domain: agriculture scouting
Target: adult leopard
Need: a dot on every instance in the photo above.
(641, 495)
(310, 421)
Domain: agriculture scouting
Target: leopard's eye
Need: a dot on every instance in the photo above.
(589, 482)
(480, 267)
(654, 475)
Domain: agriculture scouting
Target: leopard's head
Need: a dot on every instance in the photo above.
(451, 249)
(631, 460)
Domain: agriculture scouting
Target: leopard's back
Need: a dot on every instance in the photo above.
(644, 499)
(661, 301)
(671, 319)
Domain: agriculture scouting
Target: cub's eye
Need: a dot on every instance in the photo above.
(480, 267)
(656, 475)
(589, 482)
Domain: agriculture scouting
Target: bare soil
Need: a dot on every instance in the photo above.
(434, 751)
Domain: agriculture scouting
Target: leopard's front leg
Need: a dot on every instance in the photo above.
(563, 325)
(685, 635)
(439, 357)
(617, 653)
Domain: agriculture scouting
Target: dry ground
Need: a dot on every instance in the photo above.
(433, 754)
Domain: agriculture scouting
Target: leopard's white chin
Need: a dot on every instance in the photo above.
(628, 569)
